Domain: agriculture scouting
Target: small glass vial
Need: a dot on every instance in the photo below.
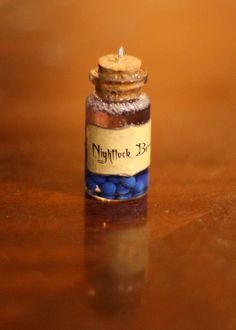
(118, 130)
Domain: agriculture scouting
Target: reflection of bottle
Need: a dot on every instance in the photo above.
(118, 126)
(116, 259)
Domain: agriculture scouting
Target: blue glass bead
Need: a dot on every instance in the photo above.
(124, 197)
(128, 181)
(136, 194)
(99, 179)
(114, 179)
(108, 188)
(90, 184)
(107, 196)
(144, 178)
(121, 190)
(139, 186)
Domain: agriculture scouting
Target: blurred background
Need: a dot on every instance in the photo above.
(181, 264)
(188, 48)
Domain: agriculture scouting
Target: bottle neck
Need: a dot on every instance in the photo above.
(116, 93)
(116, 88)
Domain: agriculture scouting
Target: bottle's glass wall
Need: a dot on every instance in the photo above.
(117, 115)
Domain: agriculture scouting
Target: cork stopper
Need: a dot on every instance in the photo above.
(118, 77)
(124, 63)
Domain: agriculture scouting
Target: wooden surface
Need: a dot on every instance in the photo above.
(165, 262)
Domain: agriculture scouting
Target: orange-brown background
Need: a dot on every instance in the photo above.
(46, 269)
(188, 48)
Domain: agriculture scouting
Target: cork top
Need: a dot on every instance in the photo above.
(118, 76)
(114, 62)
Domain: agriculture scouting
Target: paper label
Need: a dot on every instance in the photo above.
(124, 151)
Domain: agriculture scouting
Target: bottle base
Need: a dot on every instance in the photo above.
(111, 200)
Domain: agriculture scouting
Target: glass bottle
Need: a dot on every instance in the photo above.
(118, 130)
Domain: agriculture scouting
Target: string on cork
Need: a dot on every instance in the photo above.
(118, 77)
(120, 52)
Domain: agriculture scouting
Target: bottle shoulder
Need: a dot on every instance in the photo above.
(99, 105)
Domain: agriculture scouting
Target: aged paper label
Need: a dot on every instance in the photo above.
(123, 151)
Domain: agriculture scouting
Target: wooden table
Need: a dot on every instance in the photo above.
(164, 262)
(71, 262)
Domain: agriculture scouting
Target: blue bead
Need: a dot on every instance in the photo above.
(128, 181)
(114, 179)
(99, 179)
(121, 190)
(144, 178)
(124, 197)
(90, 184)
(107, 196)
(139, 186)
(136, 194)
(108, 188)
